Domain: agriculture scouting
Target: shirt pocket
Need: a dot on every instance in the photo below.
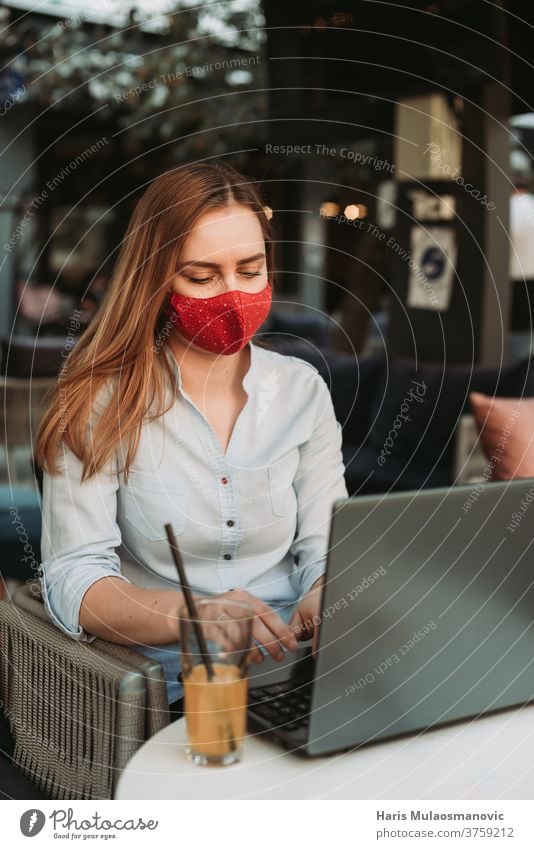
(150, 503)
(281, 489)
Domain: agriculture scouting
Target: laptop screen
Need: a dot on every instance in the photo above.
(428, 611)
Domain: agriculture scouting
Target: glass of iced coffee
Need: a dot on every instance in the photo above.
(215, 679)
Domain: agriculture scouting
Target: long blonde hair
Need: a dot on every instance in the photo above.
(123, 340)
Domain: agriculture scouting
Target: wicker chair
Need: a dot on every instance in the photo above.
(77, 711)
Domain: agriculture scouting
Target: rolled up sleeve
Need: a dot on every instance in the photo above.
(319, 482)
(79, 539)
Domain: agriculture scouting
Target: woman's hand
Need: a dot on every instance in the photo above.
(305, 620)
(267, 626)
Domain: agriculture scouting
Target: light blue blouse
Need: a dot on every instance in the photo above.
(256, 517)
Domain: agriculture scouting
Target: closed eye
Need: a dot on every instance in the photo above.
(247, 274)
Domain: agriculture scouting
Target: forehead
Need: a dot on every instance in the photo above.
(224, 234)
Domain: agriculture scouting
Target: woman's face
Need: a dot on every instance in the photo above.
(225, 250)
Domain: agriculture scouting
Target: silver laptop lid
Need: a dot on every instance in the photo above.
(428, 611)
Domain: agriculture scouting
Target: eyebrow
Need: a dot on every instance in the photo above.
(204, 264)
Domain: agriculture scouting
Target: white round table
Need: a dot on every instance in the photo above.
(487, 758)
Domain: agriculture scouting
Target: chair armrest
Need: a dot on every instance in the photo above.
(78, 711)
(28, 598)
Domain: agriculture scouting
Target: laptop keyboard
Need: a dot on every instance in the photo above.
(286, 704)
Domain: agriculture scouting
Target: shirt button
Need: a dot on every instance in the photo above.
(227, 556)
(224, 480)
(230, 523)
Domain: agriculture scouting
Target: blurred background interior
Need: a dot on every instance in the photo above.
(395, 154)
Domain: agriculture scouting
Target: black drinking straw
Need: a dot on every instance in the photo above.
(191, 607)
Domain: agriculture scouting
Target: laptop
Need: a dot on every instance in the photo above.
(427, 617)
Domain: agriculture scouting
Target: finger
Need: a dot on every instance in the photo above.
(269, 617)
(266, 637)
(278, 627)
(259, 649)
(255, 656)
(296, 625)
(216, 632)
(302, 628)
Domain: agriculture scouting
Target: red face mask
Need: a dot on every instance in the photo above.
(223, 324)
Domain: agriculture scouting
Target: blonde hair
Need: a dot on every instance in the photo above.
(122, 342)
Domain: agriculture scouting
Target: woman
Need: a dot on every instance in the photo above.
(166, 412)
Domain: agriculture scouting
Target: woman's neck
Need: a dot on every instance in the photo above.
(203, 370)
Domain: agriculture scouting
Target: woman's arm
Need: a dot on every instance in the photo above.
(123, 613)
(83, 589)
